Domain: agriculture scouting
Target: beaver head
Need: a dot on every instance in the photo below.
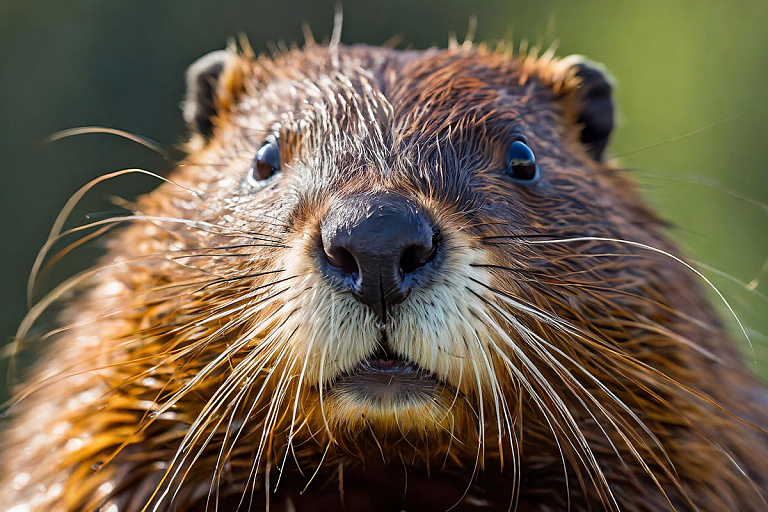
(395, 200)
(381, 266)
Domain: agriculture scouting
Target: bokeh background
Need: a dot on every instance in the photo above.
(692, 97)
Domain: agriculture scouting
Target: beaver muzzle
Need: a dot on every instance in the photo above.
(374, 245)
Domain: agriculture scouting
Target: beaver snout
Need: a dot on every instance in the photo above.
(375, 245)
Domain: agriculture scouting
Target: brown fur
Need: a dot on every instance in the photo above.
(625, 394)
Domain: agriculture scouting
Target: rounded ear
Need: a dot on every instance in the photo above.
(593, 103)
(213, 84)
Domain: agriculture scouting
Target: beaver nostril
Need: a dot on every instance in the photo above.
(417, 255)
(342, 259)
(372, 244)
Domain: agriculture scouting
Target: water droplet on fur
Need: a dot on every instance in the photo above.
(106, 488)
(21, 480)
(73, 444)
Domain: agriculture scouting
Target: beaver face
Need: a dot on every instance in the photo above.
(373, 255)
(398, 194)
(421, 255)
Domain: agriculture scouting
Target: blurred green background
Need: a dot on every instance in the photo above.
(692, 99)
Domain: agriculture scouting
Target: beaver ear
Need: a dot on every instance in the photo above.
(213, 83)
(593, 103)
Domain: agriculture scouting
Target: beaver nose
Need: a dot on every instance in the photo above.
(376, 244)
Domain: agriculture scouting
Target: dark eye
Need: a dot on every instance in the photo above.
(521, 163)
(265, 163)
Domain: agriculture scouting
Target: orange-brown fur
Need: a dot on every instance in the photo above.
(663, 416)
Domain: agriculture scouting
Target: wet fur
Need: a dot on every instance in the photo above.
(580, 364)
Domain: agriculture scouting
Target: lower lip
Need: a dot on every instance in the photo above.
(387, 378)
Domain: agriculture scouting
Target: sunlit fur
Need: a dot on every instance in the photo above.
(577, 363)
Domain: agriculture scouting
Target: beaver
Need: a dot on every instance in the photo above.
(388, 280)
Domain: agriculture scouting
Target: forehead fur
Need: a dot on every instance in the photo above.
(413, 97)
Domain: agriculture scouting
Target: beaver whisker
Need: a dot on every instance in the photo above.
(654, 250)
(530, 236)
(225, 254)
(495, 388)
(69, 248)
(567, 329)
(750, 287)
(220, 247)
(217, 400)
(612, 351)
(72, 203)
(556, 280)
(133, 137)
(54, 332)
(37, 309)
(479, 456)
(254, 402)
(265, 427)
(273, 411)
(226, 354)
(229, 280)
(104, 229)
(256, 294)
(200, 225)
(529, 308)
(233, 306)
(328, 430)
(54, 238)
(296, 406)
(501, 408)
(515, 376)
(219, 464)
(457, 394)
(569, 381)
(56, 233)
(571, 424)
(203, 445)
(64, 373)
(275, 221)
(619, 429)
(173, 399)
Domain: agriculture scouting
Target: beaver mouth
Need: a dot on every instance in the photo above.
(386, 377)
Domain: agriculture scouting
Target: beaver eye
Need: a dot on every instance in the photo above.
(265, 163)
(521, 163)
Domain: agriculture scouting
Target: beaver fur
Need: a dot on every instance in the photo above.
(575, 361)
